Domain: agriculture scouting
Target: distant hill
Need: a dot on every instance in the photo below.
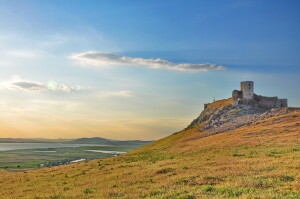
(99, 140)
(95, 140)
(33, 140)
(227, 152)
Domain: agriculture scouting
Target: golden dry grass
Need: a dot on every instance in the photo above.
(261, 160)
(220, 103)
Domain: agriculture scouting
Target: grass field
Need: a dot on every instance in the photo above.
(261, 160)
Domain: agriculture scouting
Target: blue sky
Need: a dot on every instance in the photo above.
(138, 69)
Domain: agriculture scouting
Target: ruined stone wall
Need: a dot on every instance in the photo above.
(283, 103)
(269, 102)
(258, 100)
(236, 95)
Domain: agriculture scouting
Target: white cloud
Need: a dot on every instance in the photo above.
(116, 94)
(54, 86)
(26, 85)
(18, 84)
(102, 59)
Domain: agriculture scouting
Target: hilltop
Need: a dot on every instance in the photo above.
(227, 152)
(223, 115)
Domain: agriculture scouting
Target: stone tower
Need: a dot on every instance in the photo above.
(247, 88)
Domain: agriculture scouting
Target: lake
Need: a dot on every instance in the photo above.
(16, 146)
(105, 151)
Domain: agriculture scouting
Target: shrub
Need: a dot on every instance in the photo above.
(211, 178)
(206, 117)
(209, 188)
(286, 178)
(55, 197)
(182, 181)
(87, 191)
(186, 196)
(115, 194)
(231, 192)
(165, 170)
(296, 149)
(237, 155)
(156, 192)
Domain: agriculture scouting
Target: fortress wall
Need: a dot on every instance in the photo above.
(283, 102)
(236, 95)
(269, 102)
(261, 101)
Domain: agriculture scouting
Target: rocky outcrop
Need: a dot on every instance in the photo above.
(218, 119)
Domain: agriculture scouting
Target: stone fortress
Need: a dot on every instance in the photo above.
(243, 108)
(246, 96)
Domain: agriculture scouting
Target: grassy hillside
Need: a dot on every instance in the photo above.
(261, 160)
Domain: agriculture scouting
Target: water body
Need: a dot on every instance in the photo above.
(17, 146)
(79, 160)
(110, 152)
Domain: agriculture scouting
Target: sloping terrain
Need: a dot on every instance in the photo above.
(259, 159)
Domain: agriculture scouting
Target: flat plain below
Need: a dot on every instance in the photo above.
(28, 156)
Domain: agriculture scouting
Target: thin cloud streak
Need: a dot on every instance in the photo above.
(24, 85)
(116, 94)
(102, 59)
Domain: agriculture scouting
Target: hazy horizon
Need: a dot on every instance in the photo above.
(74, 138)
(138, 70)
